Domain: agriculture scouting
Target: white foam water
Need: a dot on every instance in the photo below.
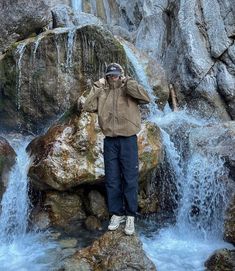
(170, 250)
(202, 201)
(21, 250)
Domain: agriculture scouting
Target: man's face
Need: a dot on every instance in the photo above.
(113, 77)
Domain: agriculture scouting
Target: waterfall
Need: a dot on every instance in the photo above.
(19, 54)
(107, 12)
(199, 192)
(77, 5)
(14, 205)
(204, 196)
(70, 44)
(20, 249)
(93, 7)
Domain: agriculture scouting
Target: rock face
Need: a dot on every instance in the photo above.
(64, 16)
(7, 160)
(113, 251)
(42, 77)
(229, 223)
(183, 34)
(196, 59)
(21, 18)
(223, 259)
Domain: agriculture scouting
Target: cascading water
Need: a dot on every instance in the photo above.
(19, 54)
(19, 249)
(199, 193)
(77, 5)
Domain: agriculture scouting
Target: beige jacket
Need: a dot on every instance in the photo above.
(117, 106)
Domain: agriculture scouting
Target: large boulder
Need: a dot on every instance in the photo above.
(113, 251)
(68, 155)
(42, 77)
(7, 160)
(21, 18)
(71, 154)
(221, 260)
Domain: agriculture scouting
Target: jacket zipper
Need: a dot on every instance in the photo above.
(113, 108)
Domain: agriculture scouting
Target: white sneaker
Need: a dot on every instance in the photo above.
(130, 225)
(115, 222)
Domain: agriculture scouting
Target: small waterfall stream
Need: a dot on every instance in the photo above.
(19, 54)
(21, 249)
(77, 5)
(201, 197)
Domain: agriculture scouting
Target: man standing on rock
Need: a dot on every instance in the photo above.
(115, 98)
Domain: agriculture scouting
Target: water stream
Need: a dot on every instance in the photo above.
(199, 194)
(77, 5)
(20, 249)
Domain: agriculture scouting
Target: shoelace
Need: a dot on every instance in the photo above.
(129, 222)
(114, 219)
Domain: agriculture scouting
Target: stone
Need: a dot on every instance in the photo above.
(229, 222)
(92, 223)
(150, 156)
(7, 160)
(221, 260)
(97, 205)
(21, 18)
(112, 251)
(68, 243)
(68, 155)
(63, 208)
(64, 16)
(43, 76)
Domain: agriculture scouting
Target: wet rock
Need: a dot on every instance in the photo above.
(7, 160)
(21, 18)
(97, 205)
(92, 223)
(64, 16)
(42, 77)
(63, 208)
(68, 243)
(223, 259)
(68, 155)
(113, 251)
(41, 220)
(229, 223)
(150, 156)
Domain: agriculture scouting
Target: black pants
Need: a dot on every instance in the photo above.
(121, 174)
